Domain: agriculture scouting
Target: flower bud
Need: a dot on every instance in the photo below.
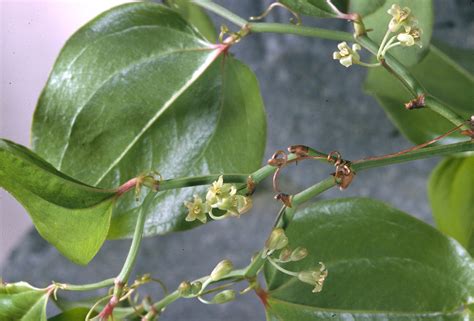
(196, 287)
(223, 297)
(285, 255)
(185, 289)
(222, 269)
(299, 253)
(276, 241)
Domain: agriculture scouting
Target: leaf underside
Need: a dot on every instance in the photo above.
(72, 216)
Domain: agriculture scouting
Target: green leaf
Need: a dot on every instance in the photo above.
(121, 312)
(72, 216)
(196, 17)
(137, 89)
(461, 56)
(423, 12)
(442, 77)
(451, 194)
(22, 302)
(364, 7)
(76, 314)
(383, 265)
(315, 8)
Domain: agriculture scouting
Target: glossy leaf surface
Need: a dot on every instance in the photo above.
(379, 19)
(315, 8)
(72, 216)
(22, 302)
(442, 77)
(383, 265)
(196, 17)
(451, 194)
(137, 89)
(76, 314)
(364, 7)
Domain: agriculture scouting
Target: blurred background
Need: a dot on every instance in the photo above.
(32, 34)
(306, 94)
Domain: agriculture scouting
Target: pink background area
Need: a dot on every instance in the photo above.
(32, 34)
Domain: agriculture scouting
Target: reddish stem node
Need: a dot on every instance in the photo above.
(122, 189)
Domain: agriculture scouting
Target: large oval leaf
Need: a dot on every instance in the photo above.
(22, 302)
(451, 194)
(383, 265)
(378, 20)
(443, 78)
(137, 89)
(72, 216)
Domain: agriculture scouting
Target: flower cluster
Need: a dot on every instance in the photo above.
(402, 17)
(221, 196)
(408, 34)
(278, 241)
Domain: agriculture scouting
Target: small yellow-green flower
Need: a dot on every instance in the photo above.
(219, 193)
(410, 37)
(197, 210)
(400, 17)
(315, 278)
(224, 197)
(347, 56)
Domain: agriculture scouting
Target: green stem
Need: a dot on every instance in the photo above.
(427, 152)
(134, 248)
(177, 183)
(382, 44)
(264, 27)
(389, 62)
(86, 287)
(415, 88)
(280, 268)
(369, 65)
(236, 275)
(123, 276)
(394, 66)
(445, 111)
(312, 191)
(320, 187)
(221, 11)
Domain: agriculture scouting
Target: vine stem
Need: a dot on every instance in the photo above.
(221, 11)
(267, 27)
(320, 187)
(122, 278)
(260, 27)
(268, 170)
(414, 87)
(235, 276)
(389, 62)
(85, 287)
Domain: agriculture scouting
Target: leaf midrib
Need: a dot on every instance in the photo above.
(340, 261)
(129, 66)
(194, 77)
